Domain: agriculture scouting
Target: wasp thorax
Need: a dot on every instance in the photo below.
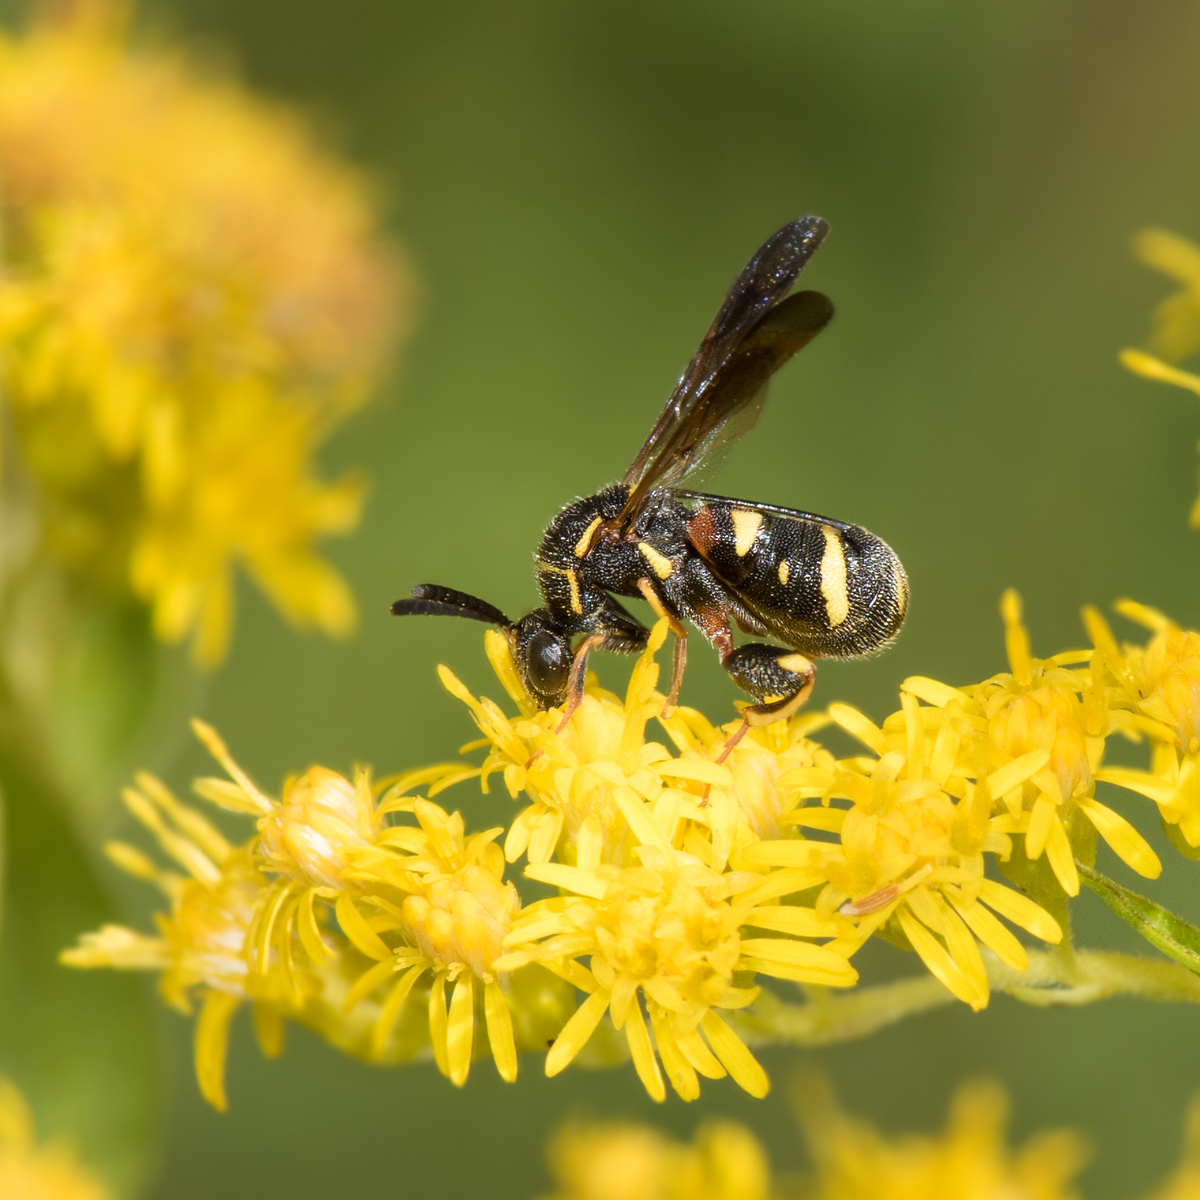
(321, 823)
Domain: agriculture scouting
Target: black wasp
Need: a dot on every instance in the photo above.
(824, 588)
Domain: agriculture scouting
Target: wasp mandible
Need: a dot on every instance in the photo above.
(824, 588)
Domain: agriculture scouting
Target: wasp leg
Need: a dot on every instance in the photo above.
(679, 660)
(780, 679)
(621, 632)
(577, 677)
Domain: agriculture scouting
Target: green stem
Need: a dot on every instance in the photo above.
(1050, 982)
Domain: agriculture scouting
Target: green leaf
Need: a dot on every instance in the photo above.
(1160, 927)
(80, 1045)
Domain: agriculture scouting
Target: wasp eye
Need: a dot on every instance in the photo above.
(547, 665)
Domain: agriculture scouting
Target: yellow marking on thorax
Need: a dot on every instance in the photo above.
(585, 542)
(784, 572)
(833, 577)
(659, 563)
(745, 529)
(576, 600)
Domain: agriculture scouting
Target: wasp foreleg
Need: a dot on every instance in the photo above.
(577, 677)
(780, 679)
(679, 661)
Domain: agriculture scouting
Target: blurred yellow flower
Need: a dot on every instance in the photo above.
(193, 295)
(32, 1172)
(969, 1161)
(619, 1161)
(1177, 319)
(1184, 1182)
(1176, 334)
(330, 915)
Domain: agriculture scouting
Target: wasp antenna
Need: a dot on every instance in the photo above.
(428, 599)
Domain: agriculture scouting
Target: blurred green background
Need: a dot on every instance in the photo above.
(576, 185)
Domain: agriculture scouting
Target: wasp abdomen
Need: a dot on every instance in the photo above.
(830, 589)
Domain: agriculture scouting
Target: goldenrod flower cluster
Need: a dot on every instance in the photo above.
(850, 1160)
(626, 1161)
(192, 296)
(333, 915)
(29, 1171)
(687, 871)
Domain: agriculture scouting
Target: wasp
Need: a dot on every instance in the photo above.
(824, 588)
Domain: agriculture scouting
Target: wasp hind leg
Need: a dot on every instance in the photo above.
(781, 680)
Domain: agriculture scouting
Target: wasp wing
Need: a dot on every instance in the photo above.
(722, 391)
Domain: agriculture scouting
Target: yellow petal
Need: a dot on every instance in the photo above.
(935, 956)
(992, 934)
(1016, 638)
(389, 1011)
(1015, 773)
(460, 1029)
(1150, 367)
(268, 1030)
(355, 927)
(799, 922)
(807, 962)
(692, 1046)
(743, 1067)
(212, 1042)
(965, 952)
(500, 1031)
(1145, 784)
(859, 726)
(680, 1072)
(1040, 820)
(575, 1033)
(932, 691)
(1061, 857)
(571, 879)
(1020, 910)
(642, 1051)
(1127, 844)
(438, 1022)
(309, 930)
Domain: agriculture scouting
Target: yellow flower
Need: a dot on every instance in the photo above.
(910, 850)
(969, 1161)
(1038, 736)
(193, 297)
(213, 941)
(635, 1162)
(1160, 684)
(329, 902)
(446, 903)
(32, 1172)
(438, 893)
(671, 930)
(643, 841)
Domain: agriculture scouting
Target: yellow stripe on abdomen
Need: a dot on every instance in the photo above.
(833, 577)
